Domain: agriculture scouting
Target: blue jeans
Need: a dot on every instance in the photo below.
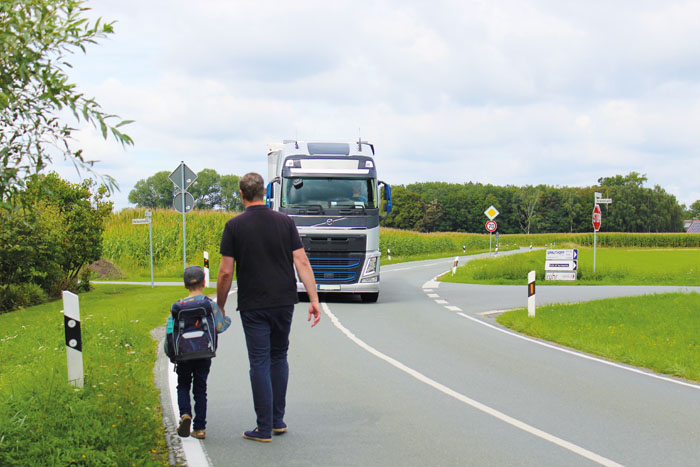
(267, 338)
(194, 373)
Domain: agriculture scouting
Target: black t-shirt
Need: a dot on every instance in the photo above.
(261, 242)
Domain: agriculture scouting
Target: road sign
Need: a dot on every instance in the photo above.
(497, 236)
(571, 254)
(176, 176)
(560, 276)
(604, 200)
(189, 202)
(140, 221)
(597, 218)
(491, 212)
(560, 265)
(491, 226)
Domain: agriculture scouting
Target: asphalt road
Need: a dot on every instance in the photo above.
(423, 377)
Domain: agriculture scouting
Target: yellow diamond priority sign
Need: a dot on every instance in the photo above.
(491, 212)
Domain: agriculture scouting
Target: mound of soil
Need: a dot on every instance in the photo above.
(105, 270)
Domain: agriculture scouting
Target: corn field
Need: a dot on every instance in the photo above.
(126, 244)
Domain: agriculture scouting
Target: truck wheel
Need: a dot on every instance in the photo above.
(369, 297)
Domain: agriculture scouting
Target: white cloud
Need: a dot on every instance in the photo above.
(506, 92)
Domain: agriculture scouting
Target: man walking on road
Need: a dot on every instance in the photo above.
(264, 246)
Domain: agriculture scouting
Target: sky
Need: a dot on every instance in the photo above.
(503, 92)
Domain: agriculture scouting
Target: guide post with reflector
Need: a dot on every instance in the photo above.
(531, 293)
(454, 265)
(74, 344)
(206, 269)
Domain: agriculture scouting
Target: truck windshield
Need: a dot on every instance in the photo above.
(329, 193)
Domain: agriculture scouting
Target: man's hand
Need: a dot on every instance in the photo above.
(315, 311)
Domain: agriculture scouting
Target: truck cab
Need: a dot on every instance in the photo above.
(332, 193)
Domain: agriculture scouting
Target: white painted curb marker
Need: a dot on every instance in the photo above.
(531, 293)
(74, 343)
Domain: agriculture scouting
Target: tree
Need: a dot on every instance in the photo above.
(45, 249)
(206, 189)
(157, 191)
(633, 178)
(693, 212)
(36, 38)
(230, 193)
(527, 198)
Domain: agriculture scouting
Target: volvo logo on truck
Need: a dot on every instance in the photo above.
(332, 192)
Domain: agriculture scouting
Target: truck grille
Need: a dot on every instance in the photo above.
(333, 270)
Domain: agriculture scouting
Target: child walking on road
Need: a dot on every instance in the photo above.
(194, 372)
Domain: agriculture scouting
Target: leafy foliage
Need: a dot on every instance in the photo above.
(36, 38)
(444, 207)
(49, 245)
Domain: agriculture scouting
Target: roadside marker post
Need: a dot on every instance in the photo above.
(388, 252)
(206, 269)
(454, 265)
(531, 293)
(74, 343)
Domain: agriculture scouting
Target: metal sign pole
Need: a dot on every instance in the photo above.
(150, 242)
(184, 235)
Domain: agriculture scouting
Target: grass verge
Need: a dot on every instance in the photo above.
(660, 332)
(614, 266)
(115, 419)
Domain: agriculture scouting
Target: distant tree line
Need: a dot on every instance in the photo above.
(210, 191)
(446, 207)
(449, 207)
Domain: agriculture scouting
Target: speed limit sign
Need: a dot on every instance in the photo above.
(491, 226)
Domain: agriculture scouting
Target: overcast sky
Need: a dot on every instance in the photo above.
(517, 92)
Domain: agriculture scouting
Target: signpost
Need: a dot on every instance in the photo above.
(183, 177)
(491, 225)
(147, 220)
(561, 265)
(597, 218)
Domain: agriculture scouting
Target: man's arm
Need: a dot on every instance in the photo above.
(306, 274)
(223, 282)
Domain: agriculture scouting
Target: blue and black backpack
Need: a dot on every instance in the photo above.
(191, 331)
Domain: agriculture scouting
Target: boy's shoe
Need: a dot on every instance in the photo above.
(199, 434)
(279, 429)
(183, 429)
(255, 435)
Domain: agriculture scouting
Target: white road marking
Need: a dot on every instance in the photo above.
(453, 308)
(433, 295)
(582, 355)
(471, 402)
(441, 302)
(492, 312)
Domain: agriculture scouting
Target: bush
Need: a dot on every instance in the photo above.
(21, 295)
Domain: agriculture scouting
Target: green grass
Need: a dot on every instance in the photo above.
(614, 266)
(659, 332)
(115, 419)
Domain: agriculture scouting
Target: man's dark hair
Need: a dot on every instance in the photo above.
(252, 187)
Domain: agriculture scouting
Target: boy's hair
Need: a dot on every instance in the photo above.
(194, 277)
(252, 186)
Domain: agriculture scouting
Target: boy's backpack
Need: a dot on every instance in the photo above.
(191, 331)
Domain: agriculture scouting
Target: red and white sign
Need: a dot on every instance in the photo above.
(597, 218)
(491, 226)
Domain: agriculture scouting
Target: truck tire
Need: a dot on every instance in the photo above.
(369, 297)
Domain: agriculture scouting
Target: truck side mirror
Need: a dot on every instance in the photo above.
(386, 199)
(270, 192)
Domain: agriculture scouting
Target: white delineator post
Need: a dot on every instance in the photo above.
(206, 269)
(74, 343)
(388, 252)
(531, 293)
(454, 265)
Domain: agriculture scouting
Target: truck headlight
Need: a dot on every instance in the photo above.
(372, 266)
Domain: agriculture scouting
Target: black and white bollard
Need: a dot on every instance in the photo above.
(388, 253)
(531, 293)
(454, 265)
(206, 269)
(74, 342)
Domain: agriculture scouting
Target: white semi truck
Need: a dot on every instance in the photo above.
(332, 192)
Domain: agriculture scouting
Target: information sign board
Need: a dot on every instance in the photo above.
(560, 276)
